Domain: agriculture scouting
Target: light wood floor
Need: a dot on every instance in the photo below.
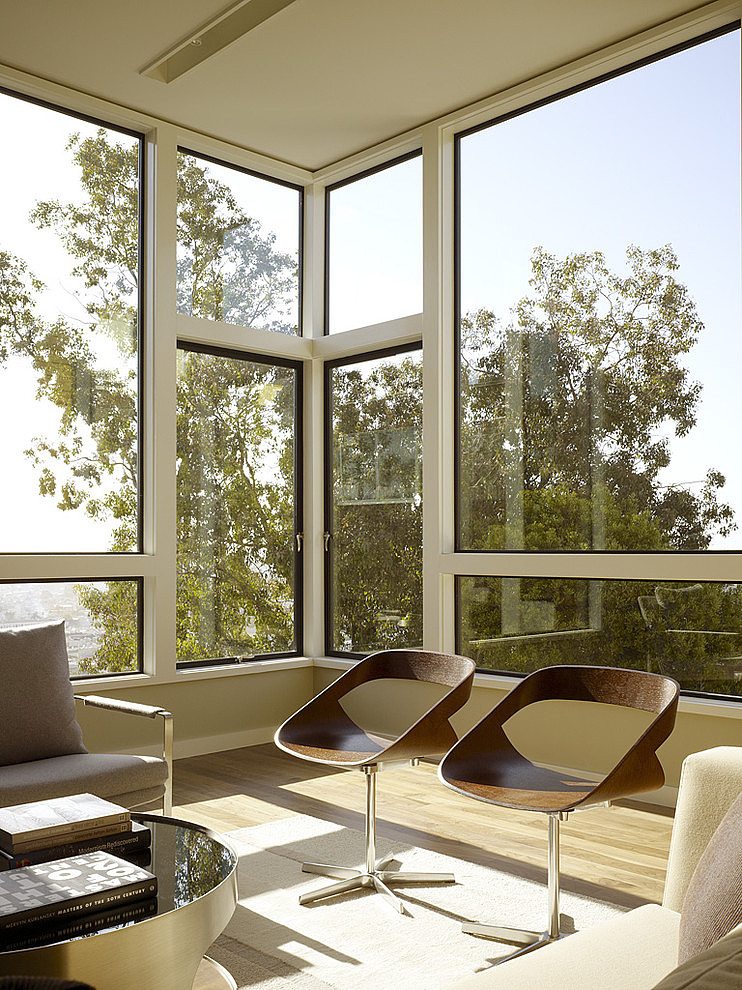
(617, 854)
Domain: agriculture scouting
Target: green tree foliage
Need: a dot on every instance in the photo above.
(377, 505)
(568, 410)
(235, 560)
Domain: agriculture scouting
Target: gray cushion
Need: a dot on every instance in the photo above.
(718, 968)
(713, 901)
(37, 709)
(128, 780)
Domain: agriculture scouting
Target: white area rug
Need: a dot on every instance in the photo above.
(356, 941)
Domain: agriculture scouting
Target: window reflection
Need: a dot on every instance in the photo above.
(375, 511)
(689, 631)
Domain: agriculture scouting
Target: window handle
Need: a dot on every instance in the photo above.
(326, 537)
(299, 541)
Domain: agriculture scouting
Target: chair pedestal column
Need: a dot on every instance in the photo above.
(374, 875)
(530, 940)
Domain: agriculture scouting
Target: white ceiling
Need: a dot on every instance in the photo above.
(321, 79)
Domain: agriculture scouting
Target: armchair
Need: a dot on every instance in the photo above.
(42, 754)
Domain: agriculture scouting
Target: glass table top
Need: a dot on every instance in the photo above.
(188, 860)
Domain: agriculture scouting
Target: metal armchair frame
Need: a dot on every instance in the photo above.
(145, 711)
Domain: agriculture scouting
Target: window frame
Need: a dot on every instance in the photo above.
(286, 183)
(328, 464)
(297, 367)
(328, 190)
(458, 137)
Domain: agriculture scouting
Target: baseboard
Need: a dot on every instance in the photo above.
(203, 745)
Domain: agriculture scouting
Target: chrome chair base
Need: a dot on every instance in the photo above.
(374, 876)
(527, 940)
(377, 879)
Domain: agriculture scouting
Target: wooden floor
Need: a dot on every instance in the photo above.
(616, 854)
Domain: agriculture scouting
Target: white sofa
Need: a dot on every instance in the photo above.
(639, 949)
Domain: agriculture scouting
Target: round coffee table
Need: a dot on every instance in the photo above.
(196, 873)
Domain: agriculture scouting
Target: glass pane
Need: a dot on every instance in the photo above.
(601, 303)
(100, 617)
(376, 559)
(69, 366)
(236, 490)
(375, 258)
(237, 247)
(692, 632)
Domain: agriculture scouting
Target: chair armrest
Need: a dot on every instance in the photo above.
(710, 781)
(145, 711)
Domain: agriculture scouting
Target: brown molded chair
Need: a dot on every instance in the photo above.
(485, 765)
(323, 732)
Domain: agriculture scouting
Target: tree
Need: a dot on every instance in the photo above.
(377, 505)
(567, 414)
(235, 563)
(575, 397)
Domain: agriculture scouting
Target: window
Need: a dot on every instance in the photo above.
(688, 630)
(239, 514)
(69, 333)
(599, 307)
(374, 246)
(374, 503)
(102, 620)
(239, 237)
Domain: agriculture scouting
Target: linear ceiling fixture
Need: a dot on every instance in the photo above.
(212, 37)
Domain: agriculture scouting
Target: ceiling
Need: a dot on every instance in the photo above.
(320, 79)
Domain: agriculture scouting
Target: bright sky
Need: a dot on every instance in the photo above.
(649, 158)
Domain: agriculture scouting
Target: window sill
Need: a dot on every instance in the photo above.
(116, 682)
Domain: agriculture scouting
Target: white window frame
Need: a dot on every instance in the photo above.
(434, 327)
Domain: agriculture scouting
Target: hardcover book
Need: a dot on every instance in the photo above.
(77, 926)
(62, 888)
(125, 844)
(58, 819)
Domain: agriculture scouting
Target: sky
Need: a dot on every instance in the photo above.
(649, 158)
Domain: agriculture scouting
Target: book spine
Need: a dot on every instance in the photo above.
(85, 903)
(125, 842)
(63, 830)
(86, 924)
(31, 845)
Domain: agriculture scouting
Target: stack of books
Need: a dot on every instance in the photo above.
(71, 898)
(68, 826)
(69, 870)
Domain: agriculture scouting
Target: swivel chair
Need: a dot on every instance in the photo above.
(323, 732)
(485, 765)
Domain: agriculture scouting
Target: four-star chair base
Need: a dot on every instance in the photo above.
(374, 876)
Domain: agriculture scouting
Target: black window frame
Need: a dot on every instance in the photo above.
(365, 174)
(329, 367)
(137, 580)
(457, 252)
(182, 150)
(298, 535)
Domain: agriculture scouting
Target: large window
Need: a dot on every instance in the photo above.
(374, 505)
(239, 517)
(374, 246)
(690, 631)
(69, 333)
(599, 314)
(70, 378)
(239, 237)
